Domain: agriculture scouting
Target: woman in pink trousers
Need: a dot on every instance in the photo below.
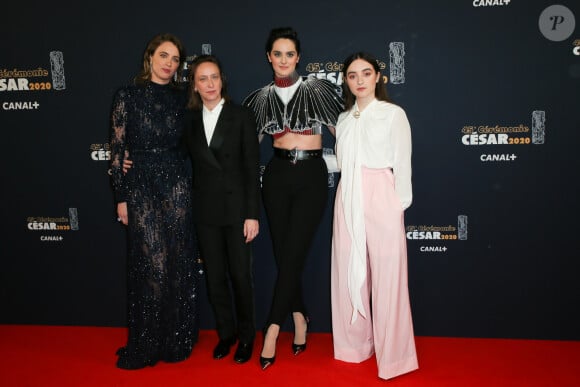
(370, 297)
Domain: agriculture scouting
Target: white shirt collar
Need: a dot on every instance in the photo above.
(217, 109)
(210, 119)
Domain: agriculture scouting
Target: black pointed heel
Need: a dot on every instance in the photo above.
(299, 348)
(266, 362)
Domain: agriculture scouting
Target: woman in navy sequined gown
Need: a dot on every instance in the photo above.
(154, 202)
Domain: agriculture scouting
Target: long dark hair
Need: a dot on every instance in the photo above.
(195, 102)
(283, 33)
(145, 74)
(380, 90)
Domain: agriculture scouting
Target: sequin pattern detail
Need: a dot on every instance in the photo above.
(147, 124)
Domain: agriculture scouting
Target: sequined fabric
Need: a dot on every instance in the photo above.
(147, 124)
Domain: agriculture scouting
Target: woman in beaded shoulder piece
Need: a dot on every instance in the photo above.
(371, 312)
(154, 202)
(293, 110)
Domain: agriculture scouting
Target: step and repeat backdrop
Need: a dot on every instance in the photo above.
(492, 92)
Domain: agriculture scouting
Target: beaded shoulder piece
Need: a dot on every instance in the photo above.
(315, 102)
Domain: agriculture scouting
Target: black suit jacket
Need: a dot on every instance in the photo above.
(226, 186)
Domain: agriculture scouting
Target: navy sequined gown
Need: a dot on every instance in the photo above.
(147, 123)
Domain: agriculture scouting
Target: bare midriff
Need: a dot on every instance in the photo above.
(299, 141)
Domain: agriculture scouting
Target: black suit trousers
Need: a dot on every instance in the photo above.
(228, 258)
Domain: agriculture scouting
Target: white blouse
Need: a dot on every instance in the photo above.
(379, 138)
(210, 118)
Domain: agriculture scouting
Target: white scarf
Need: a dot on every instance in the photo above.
(349, 132)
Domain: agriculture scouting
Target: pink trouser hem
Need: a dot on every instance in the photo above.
(399, 368)
(351, 355)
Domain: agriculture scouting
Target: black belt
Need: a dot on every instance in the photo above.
(294, 155)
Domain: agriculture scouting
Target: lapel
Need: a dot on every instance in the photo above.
(203, 150)
(221, 128)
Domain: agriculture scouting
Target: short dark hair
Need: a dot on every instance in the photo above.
(283, 33)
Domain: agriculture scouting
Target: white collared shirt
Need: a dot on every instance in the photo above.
(210, 118)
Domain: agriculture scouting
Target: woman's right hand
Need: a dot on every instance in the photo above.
(122, 213)
(127, 164)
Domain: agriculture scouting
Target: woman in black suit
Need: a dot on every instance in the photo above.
(222, 141)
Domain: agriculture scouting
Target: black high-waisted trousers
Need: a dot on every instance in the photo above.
(295, 197)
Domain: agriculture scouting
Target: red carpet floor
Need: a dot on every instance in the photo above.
(85, 356)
